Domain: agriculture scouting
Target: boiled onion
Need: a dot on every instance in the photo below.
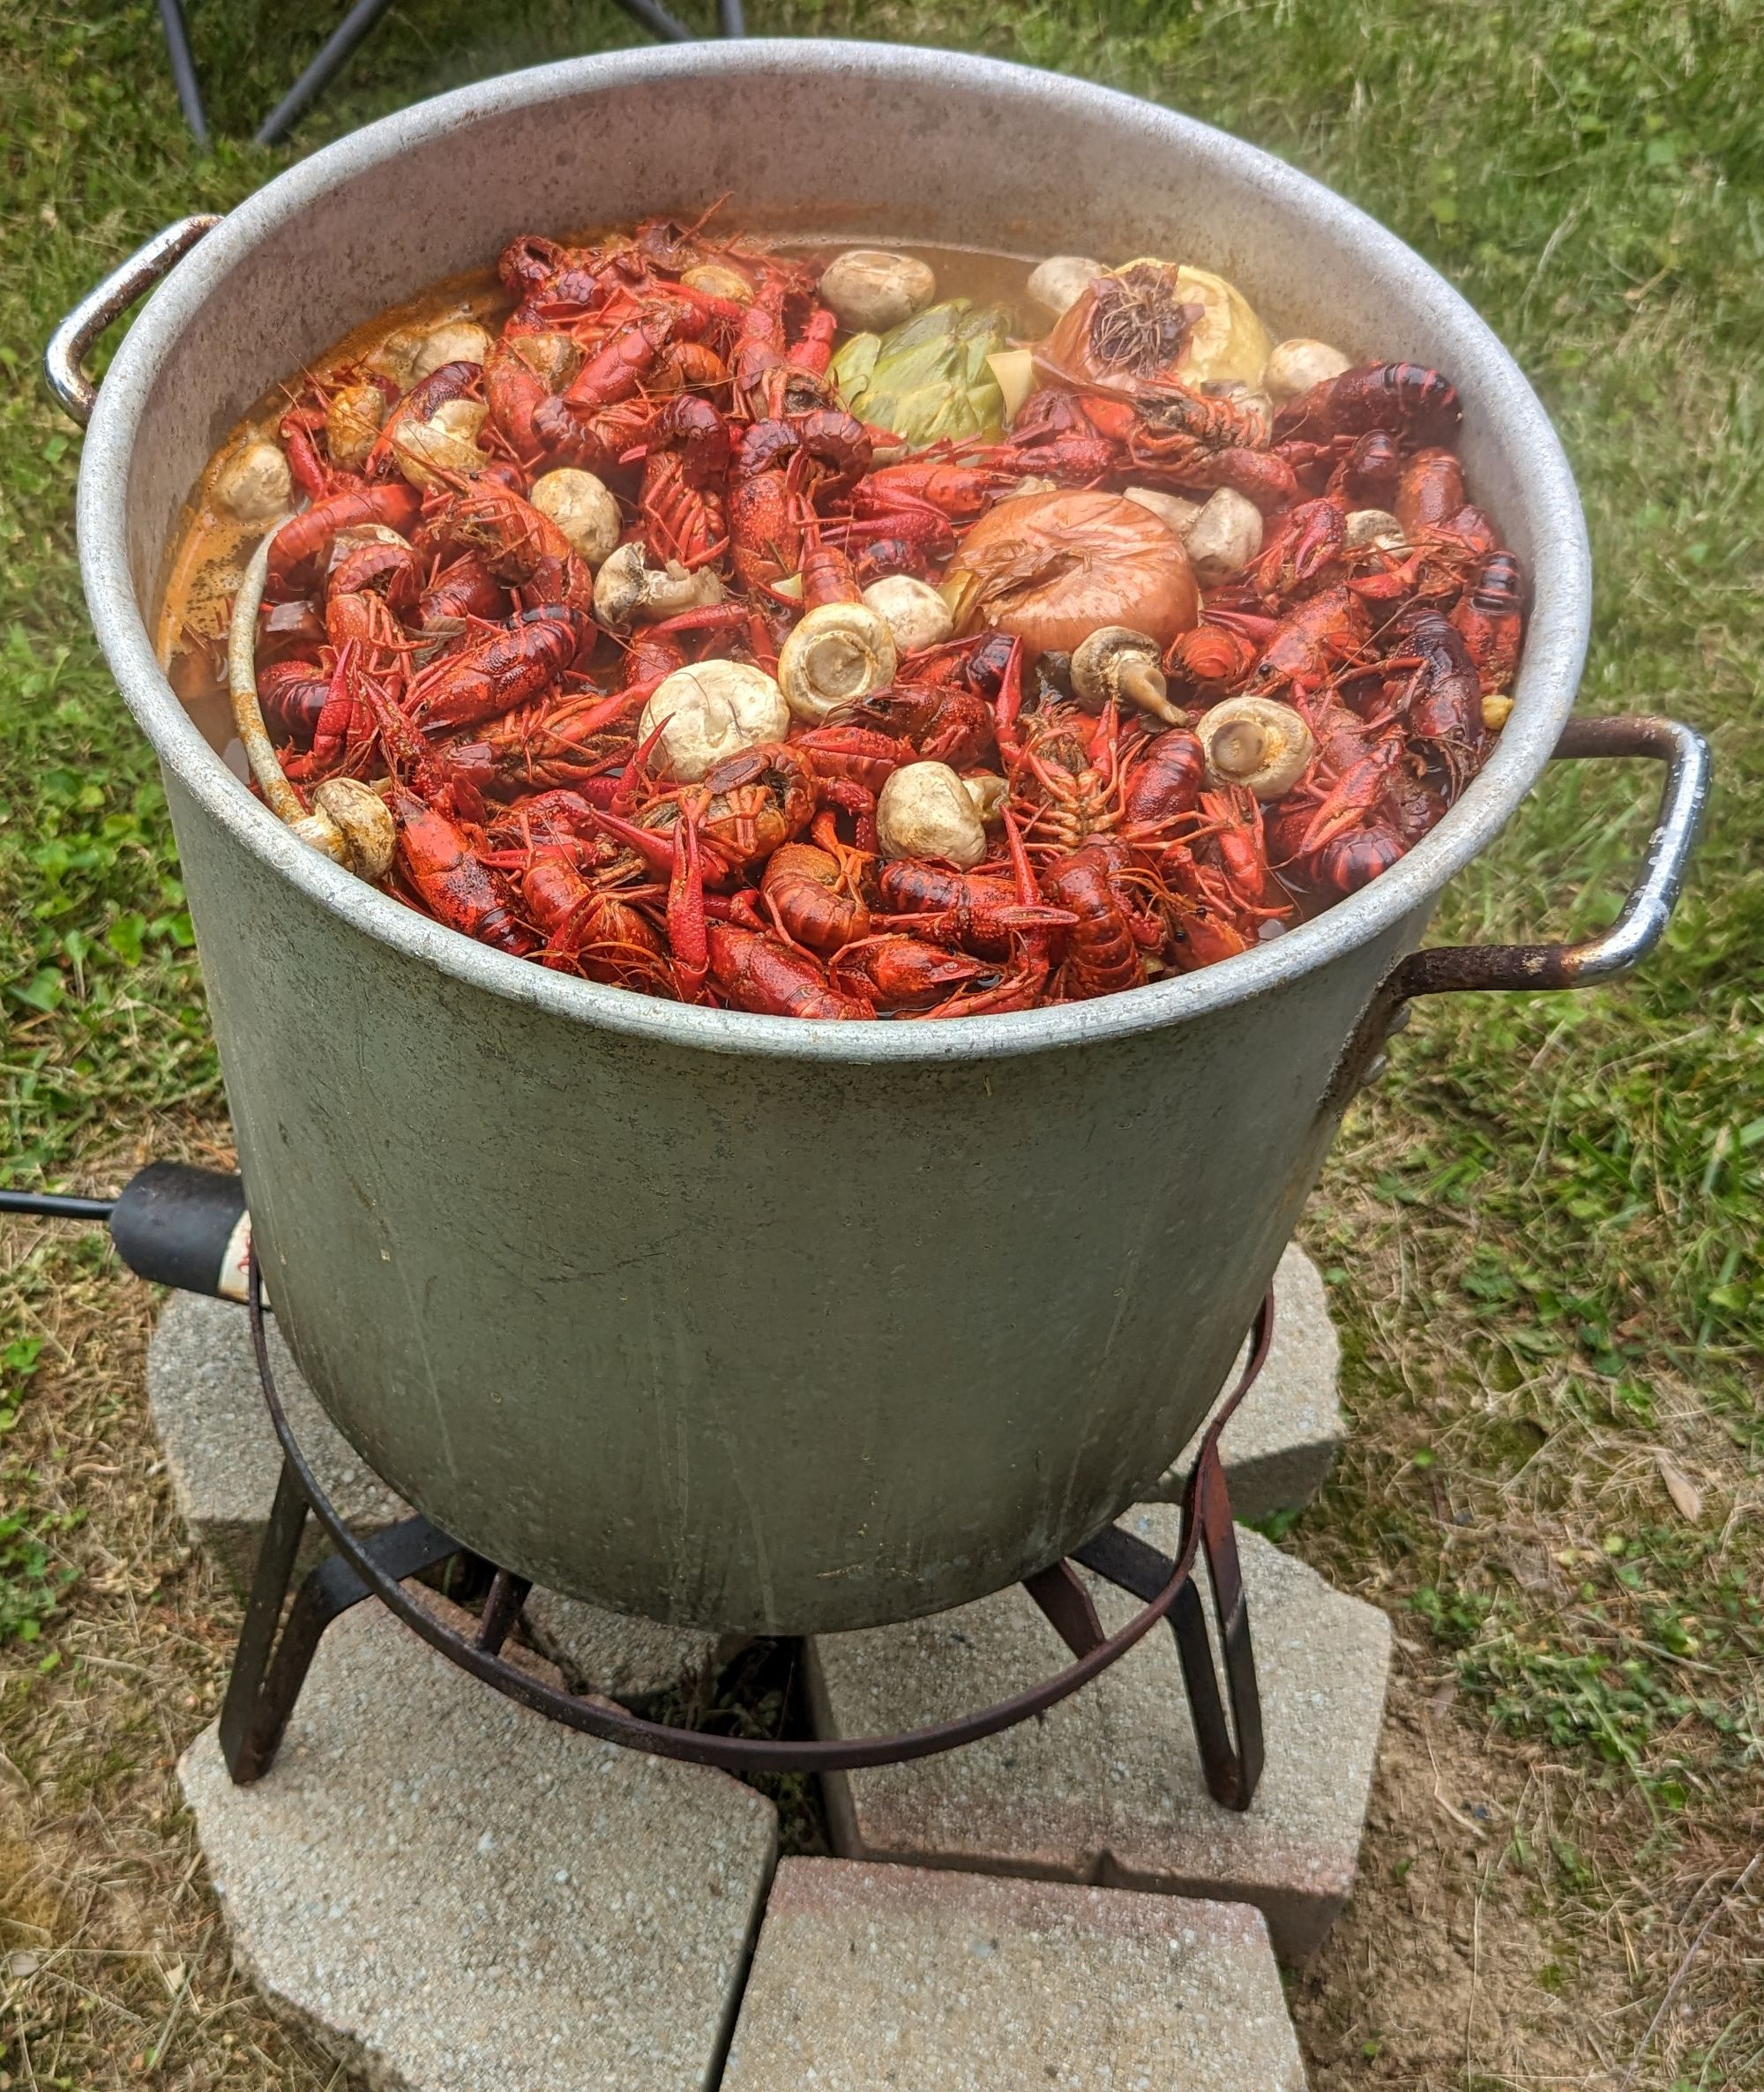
(1052, 568)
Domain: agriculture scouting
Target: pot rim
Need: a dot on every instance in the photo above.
(1555, 647)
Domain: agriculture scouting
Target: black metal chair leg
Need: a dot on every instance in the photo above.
(333, 54)
(268, 1671)
(184, 68)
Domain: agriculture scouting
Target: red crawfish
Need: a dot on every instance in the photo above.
(303, 541)
(810, 899)
(590, 929)
(1103, 947)
(1441, 701)
(345, 731)
(500, 671)
(897, 972)
(1489, 620)
(518, 545)
(979, 913)
(1430, 491)
(682, 498)
(421, 403)
(292, 696)
(462, 590)
(1331, 631)
(765, 976)
(1400, 399)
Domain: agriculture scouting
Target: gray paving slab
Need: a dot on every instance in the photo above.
(220, 1452)
(451, 1893)
(223, 1459)
(1107, 1786)
(874, 1977)
(1280, 1446)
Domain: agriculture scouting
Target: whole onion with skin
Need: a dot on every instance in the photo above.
(1052, 568)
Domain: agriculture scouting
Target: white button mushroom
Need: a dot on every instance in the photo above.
(1294, 366)
(913, 611)
(926, 810)
(870, 291)
(713, 709)
(454, 341)
(837, 654)
(1062, 280)
(1226, 535)
(254, 483)
(582, 509)
(1115, 663)
(720, 279)
(1256, 742)
(627, 589)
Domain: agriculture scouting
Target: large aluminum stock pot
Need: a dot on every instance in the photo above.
(732, 1321)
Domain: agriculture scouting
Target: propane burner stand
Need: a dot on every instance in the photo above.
(274, 1655)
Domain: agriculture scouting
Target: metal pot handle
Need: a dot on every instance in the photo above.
(1648, 908)
(66, 352)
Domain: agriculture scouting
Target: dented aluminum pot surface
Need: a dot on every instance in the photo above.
(728, 1320)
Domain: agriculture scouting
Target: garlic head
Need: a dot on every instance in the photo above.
(454, 341)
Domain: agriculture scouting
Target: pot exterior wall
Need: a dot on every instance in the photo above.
(747, 1343)
(723, 1321)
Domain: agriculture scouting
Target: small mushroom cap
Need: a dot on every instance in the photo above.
(713, 709)
(1294, 366)
(454, 341)
(582, 509)
(1117, 662)
(925, 810)
(352, 420)
(1225, 536)
(1060, 280)
(837, 654)
(254, 483)
(444, 446)
(912, 609)
(871, 290)
(364, 821)
(1257, 742)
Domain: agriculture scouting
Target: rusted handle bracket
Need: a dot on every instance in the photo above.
(74, 391)
(1648, 908)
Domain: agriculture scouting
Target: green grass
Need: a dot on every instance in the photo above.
(1543, 1226)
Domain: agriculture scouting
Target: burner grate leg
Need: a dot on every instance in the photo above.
(268, 1669)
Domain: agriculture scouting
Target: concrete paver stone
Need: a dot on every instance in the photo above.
(1107, 1786)
(873, 1978)
(452, 1894)
(1280, 1446)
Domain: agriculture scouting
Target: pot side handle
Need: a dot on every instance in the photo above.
(74, 391)
(1645, 914)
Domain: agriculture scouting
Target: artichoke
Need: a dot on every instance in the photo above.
(928, 378)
